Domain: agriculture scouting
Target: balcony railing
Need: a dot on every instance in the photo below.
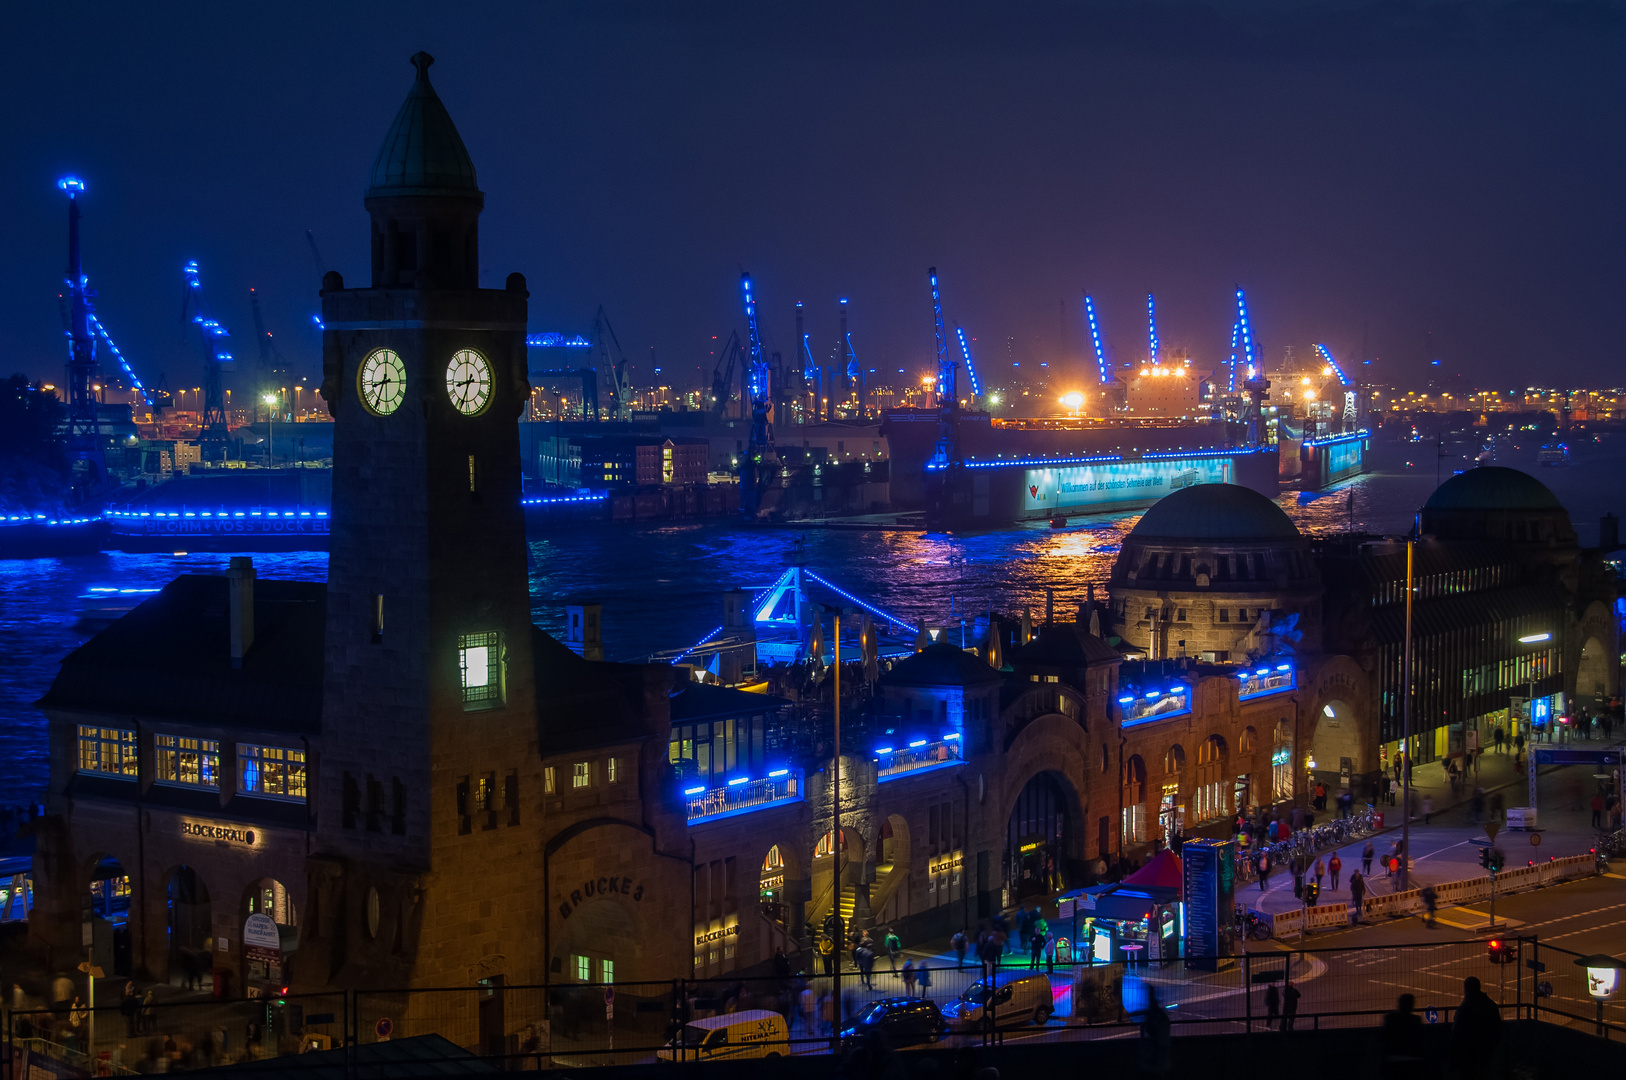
(742, 794)
(1271, 679)
(1158, 703)
(894, 761)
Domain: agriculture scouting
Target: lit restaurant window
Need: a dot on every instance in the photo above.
(109, 751)
(480, 657)
(272, 771)
(192, 762)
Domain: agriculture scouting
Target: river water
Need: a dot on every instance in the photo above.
(661, 588)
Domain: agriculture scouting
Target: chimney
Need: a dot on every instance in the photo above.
(240, 589)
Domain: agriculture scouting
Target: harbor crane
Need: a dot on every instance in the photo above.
(213, 437)
(273, 373)
(947, 450)
(722, 378)
(1351, 406)
(86, 446)
(855, 373)
(760, 463)
(614, 366)
(970, 368)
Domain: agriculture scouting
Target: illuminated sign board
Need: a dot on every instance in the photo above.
(209, 830)
(943, 864)
(1110, 483)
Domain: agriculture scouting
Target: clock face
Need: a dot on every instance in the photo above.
(382, 381)
(468, 381)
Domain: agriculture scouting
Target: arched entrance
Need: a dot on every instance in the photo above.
(190, 928)
(1334, 748)
(1132, 829)
(1592, 675)
(108, 912)
(270, 898)
(1171, 811)
(1038, 839)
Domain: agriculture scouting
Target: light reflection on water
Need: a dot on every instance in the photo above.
(661, 587)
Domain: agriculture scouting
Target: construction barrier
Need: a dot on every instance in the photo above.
(1448, 894)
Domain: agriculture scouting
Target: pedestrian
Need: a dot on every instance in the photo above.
(1403, 1052)
(130, 1008)
(1428, 808)
(1366, 858)
(893, 946)
(864, 957)
(1500, 737)
(1320, 795)
(1357, 896)
(1035, 951)
(909, 978)
(1476, 1030)
(924, 974)
(827, 1012)
(827, 953)
(1320, 872)
(959, 943)
(1431, 902)
(1050, 953)
(1335, 866)
(1518, 744)
(1264, 869)
(1290, 1004)
(149, 1013)
(1597, 811)
(1273, 1006)
(1156, 1057)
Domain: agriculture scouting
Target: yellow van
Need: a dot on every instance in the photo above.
(754, 1033)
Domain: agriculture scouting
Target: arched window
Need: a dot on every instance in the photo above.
(1175, 759)
(824, 847)
(1250, 741)
(1133, 825)
(1212, 789)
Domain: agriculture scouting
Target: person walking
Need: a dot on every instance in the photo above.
(959, 943)
(1597, 811)
(1431, 902)
(130, 1008)
(1335, 866)
(1357, 896)
(864, 957)
(1500, 738)
(1290, 1004)
(924, 974)
(1156, 1047)
(807, 1006)
(1273, 1006)
(1264, 869)
(1366, 858)
(1428, 808)
(1320, 872)
(909, 978)
(893, 946)
(1035, 950)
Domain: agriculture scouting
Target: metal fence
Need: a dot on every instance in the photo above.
(581, 1024)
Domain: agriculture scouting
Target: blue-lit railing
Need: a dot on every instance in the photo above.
(1266, 679)
(741, 794)
(184, 513)
(560, 500)
(1158, 703)
(892, 761)
(1348, 436)
(43, 519)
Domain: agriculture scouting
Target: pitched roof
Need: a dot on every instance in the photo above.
(1068, 645)
(583, 704)
(171, 658)
(422, 154)
(940, 664)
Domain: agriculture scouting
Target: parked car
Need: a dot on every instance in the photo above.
(1013, 997)
(901, 1021)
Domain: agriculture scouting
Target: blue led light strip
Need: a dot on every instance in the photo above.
(1231, 387)
(970, 368)
(686, 652)
(101, 331)
(1095, 337)
(552, 340)
(844, 594)
(1151, 325)
(1326, 354)
(1348, 436)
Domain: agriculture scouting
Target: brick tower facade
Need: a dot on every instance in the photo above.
(421, 869)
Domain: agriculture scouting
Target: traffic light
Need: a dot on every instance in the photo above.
(1501, 952)
(1311, 891)
(1485, 857)
(1498, 859)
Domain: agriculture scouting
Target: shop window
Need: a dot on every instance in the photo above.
(188, 762)
(581, 774)
(275, 772)
(108, 751)
(481, 663)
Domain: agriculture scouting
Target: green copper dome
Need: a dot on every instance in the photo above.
(423, 154)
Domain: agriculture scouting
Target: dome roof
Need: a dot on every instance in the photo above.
(1215, 512)
(940, 664)
(423, 154)
(1493, 487)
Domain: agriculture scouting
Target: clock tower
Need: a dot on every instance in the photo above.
(429, 777)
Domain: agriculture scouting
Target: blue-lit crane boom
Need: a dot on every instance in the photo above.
(970, 368)
(1236, 328)
(1326, 354)
(84, 420)
(213, 436)
(1249, 358)
(1151, 326)
(947, 395)
(1095, 340)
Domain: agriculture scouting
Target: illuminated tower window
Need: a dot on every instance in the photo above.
(480, 656)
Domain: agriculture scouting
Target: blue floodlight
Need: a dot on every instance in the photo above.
(694, 790)
(738, 780)
(71, 184)
(884, 750)
(916, 743)
(778, 773)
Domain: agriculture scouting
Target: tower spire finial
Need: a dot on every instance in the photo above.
(421, 60)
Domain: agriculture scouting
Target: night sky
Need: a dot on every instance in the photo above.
(1365, 171)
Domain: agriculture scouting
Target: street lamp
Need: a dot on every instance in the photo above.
(271, 429)
(1602, 977)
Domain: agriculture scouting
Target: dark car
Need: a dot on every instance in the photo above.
(900, 1021)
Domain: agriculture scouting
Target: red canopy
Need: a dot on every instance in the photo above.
(1164, 870)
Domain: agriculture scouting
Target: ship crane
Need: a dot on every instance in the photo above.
(273, 368)
(213, 437)
(722, 380)
(1246, 356)
(1095, 340)
(855, 373)
(760, 463)
(85, 443)
(947, 451)
(1351, 406)
(970, 368)
(614, 366)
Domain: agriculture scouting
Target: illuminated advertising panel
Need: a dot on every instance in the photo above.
(1100, 485)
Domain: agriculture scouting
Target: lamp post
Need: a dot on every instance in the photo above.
(1405, 722)
(1602, 978)
(271, 429)
(837, 848)
(1530, 712)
